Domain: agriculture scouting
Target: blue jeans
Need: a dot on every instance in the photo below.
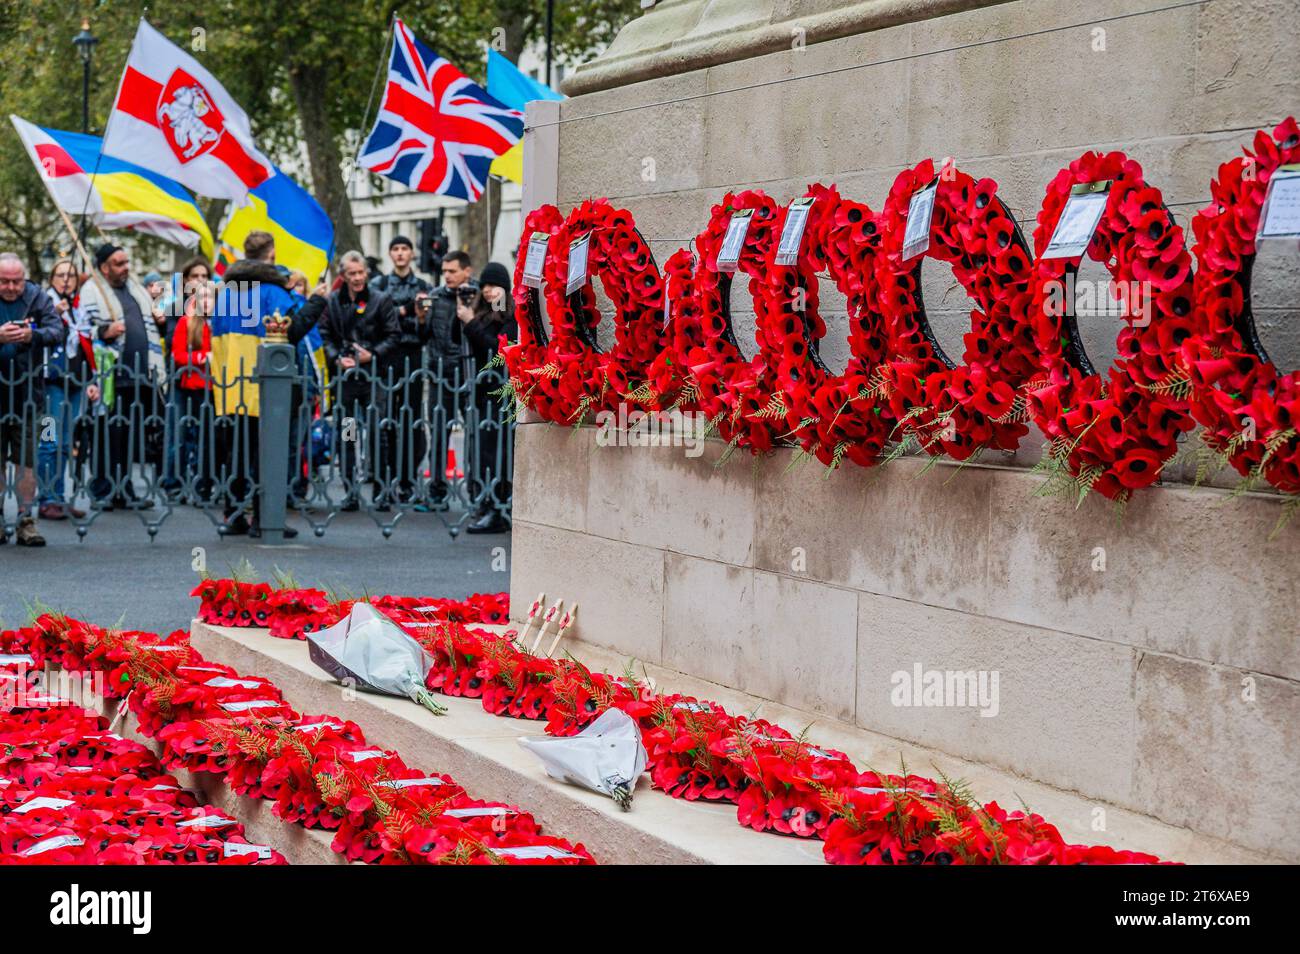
(174, 452)
(63, 403)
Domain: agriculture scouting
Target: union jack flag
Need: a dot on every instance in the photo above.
(437, 131)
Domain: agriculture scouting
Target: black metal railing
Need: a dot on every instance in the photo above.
(258, 442)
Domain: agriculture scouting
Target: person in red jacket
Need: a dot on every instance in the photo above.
(191, 347)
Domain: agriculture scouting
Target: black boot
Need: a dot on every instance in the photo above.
(492, 522)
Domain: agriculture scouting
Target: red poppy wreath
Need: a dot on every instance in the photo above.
(952, 408)
(833, 415)
(622, 259)
(1249, 409)
(565, 376)
(1113, 433)
(544, 375)
(739, 395)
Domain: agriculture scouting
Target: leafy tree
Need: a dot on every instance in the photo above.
(304, 70)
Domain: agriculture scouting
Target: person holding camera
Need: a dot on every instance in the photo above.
(28, 325)
(360, 332)
(458, 287)
(482, 320)
(406, 437)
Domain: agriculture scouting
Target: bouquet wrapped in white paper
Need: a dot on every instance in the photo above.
(374, 653)
(606, 757)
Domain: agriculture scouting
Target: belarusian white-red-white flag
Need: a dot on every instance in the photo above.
(172, 116)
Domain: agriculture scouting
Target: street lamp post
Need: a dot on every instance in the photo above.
(85, 42)
(550, 32)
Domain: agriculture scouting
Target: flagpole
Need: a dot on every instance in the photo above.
(108, 124)
(370, 101)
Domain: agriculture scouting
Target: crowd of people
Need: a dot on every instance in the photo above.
(109, 383)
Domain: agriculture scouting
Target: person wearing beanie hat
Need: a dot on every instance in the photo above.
(105, 252)
(409, 294)
(482, 321)
(496, 274)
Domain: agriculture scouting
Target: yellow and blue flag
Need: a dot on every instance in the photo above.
(113, 193)
(304, 241)
(304, 234)
(512, 86)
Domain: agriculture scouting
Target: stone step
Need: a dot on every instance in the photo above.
(481, 751)
(301, 846)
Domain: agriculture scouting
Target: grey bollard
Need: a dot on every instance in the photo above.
(276, 370)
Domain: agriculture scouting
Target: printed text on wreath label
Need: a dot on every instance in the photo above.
(74, 906)
(946, 688)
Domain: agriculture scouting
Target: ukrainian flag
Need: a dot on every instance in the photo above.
(510, 85)
(304, 234)
(113, 194)
(304, 241)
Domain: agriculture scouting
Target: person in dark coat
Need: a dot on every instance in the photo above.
(405, 441)
(360, 332)
(481, 324)
(28, 325)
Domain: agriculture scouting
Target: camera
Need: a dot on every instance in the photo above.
(466, 293)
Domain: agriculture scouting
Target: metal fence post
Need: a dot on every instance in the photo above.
(276, 369)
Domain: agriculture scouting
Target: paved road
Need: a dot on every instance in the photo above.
(116, 573)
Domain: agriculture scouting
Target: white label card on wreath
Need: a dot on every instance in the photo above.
(51, 844)
(920, 212)
(1280, 217)
(207, 821)
(733, 241)
(42, 801)
(223, 682)
(244, 706)
(16, 659)
(231, 849)
(534, 263)
(533, 852)
(487, 811)
(313, 726)
(1074, 229)
(796, 220)
(400, 783)
(577, 264)
(365, 755)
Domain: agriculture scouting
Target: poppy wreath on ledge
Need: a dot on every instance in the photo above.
(1250, 411)
(951, 408)
(316, 770)
(833, 415)
(697, 750)
(1113, 433)
(740, 396)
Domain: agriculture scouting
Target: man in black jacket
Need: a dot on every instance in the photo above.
(360, 332)
(405, 442)
(28, 325)
(446, 358)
